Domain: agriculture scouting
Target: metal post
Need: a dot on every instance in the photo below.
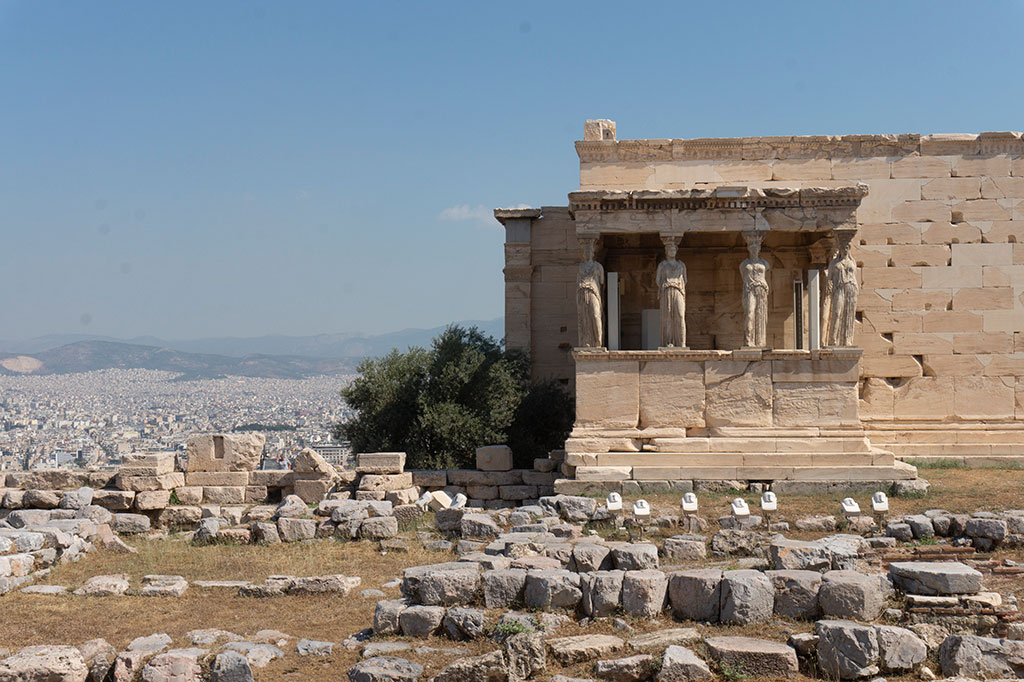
(814, 309)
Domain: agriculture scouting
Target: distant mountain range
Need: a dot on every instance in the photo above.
(264, 356)
(86, 356)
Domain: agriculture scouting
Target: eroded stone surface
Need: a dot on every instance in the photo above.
(940, 577)
(758, 656)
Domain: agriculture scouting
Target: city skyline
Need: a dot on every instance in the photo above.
(243, 169)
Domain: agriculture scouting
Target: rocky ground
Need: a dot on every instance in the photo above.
(311, 610)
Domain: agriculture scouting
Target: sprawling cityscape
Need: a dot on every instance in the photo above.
(90, 419)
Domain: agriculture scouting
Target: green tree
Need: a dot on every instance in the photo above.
(439, 405)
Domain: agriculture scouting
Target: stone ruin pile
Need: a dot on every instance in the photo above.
(214, 655)
(539, 559)
(34, 540)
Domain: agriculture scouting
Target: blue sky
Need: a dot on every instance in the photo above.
(190, 169)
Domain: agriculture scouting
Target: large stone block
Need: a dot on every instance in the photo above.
(981, 657)
(147, 464)
(204, 478)
(680, 664)
(738, 393)
(952, 188)
(977, 397)
(941, 577)
(225, 452)
(311, 492)
(672, 394)
(696, 594)
(602, 592)
(143, 483)
(810, 404)
(223, 494)
(494, 458)
(802, 169)
(799, 555)
(877, 206)
(981, 254)
(846, 650)
(916, 166)
(607, 393)
(380, 463)
(553, 588)
(850, 595)
(901, 650)
(759, 656)
(503, 589)
(796, 593)
(747, 597)
(385, 482)
(924, 398)
(644, 593)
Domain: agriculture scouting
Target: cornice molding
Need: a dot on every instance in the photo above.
(800, 147)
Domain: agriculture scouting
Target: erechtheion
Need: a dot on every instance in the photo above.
(778, 308)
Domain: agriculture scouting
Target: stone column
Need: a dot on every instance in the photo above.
(518, 275)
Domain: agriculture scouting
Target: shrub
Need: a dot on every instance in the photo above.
(439, 405)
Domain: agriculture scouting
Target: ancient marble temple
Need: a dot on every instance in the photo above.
(785, 308)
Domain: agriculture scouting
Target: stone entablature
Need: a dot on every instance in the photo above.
(720, 197)
(799, 147)
(724, 208)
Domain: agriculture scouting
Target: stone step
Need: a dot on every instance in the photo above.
(945, 450)
(761, 444)
(719, 459)
(969, 461)
(897, 471)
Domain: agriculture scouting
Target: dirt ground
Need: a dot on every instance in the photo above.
(40, 619)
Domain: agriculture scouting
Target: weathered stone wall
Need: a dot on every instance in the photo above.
(555, 258)
(941, 309)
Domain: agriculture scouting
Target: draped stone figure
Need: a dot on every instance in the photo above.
(842, 280)
(671, 280)
(826, 295)
(754, 273)
(589, 308)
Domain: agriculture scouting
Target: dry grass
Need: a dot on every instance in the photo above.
(38, 619)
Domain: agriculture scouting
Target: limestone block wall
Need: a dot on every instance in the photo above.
(681, 394)
(555, 259)
(941, 310)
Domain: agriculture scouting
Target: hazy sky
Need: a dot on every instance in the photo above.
(190, 169)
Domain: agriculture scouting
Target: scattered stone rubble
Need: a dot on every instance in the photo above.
(541, 556)
(214, 655)
(538, 560)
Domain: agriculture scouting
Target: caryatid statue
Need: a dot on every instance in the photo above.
(589, 308)
(842, 278)
(754, 273)
(826, 293)
(671, 279)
